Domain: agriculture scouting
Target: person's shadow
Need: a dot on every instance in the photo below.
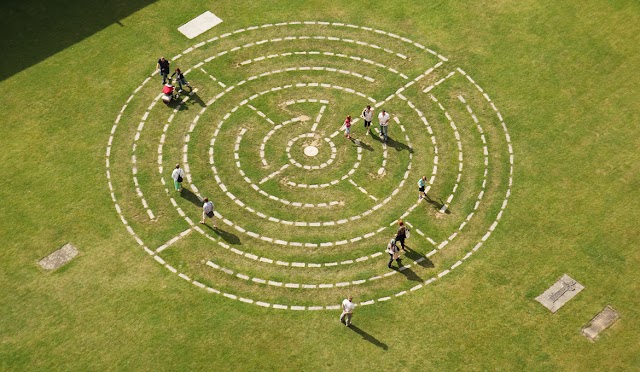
(408, 273)
(415, 256)
(437, 204)
(190, 196)
(368, 337)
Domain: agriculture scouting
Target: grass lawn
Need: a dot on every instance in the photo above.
(522, 116)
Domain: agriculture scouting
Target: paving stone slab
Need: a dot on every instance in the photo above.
(202, 23)
(602, 321)
(59, 257)
(560, 293)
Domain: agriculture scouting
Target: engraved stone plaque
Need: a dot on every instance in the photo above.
(59, 257)
(558, 294)
(602, 321)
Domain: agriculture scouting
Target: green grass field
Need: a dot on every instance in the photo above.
(523, 116)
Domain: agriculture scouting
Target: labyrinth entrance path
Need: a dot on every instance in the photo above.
(304, 213)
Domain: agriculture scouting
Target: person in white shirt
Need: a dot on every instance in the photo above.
(177, 175)
(207, 211)
(384, 118)
(367, 115)
(347, 310)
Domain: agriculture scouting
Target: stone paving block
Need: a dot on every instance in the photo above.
(602, 321)
(59, 257)
(560, 293)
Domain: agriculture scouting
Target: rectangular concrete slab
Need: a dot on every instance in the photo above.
(560, 293)
(59, 257)
(602, 321)
(202, 23)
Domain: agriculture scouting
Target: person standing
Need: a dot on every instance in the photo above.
(180, 79)
(178, 176)
(394, 253)
(422, 183)
(207, 211)
(347, 127)
(384, 118)
(367, 116)
(401, 234)
(163, 67)
(347, 310)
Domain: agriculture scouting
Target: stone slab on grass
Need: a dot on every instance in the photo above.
(560, 293)
(602, 321)
(59, 257)
(202, 23)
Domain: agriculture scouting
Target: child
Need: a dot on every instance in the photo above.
(347, 127)
(422, 183)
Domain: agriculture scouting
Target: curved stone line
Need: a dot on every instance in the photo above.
(134, 162)
(310, 167)
(447, 203)
(258, 189)
(242, 204)
(310, 286)
(330, 54)
(293, 307)
(323, 23)
(485, 151)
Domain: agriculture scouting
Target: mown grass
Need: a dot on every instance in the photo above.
(563, 76)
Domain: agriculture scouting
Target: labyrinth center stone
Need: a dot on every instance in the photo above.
(311, 151)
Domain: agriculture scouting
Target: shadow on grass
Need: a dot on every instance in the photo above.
(190, 196)
(36, 30)
(413, 255)
(368, 337)
(227, 236)
(194, 99)
(437, 204)
(363, 145)
(408, 273)
(399, 146)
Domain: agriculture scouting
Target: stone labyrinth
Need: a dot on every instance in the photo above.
(304, 214)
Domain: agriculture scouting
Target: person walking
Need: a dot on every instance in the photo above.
(347, 310)
(178, 176)
(401, 234)
(207, 211)
(394, 253)
(180, 79)
(163, 67)
(347, 127)
(367, 116)
(422, 183)
(384, 118)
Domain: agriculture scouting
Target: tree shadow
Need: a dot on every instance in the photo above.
(367, 337)
(190, 196)
(36, 30)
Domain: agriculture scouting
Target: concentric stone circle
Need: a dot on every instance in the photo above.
(402, 94)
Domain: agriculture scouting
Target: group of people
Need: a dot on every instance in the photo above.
(163, 68)
(367, 116)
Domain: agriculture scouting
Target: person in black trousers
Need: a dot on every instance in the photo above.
(401, 235)
(394, 253)
(163, 67)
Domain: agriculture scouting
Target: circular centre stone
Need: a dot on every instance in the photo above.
(311, 151)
